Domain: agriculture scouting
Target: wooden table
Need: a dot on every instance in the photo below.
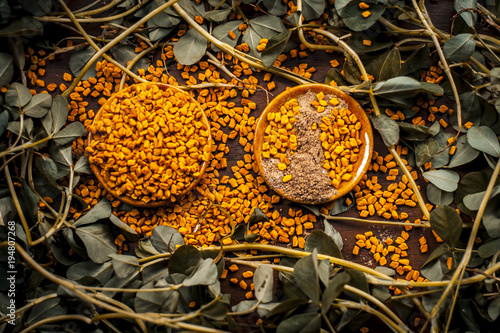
(441, 12)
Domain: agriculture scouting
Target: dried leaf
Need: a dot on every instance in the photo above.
(263, 281)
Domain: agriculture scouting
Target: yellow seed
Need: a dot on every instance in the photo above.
(287, 178)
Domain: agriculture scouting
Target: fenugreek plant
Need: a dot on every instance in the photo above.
(68, 248)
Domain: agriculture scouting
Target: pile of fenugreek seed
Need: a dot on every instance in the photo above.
(150, 143)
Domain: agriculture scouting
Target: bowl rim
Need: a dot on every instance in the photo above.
(354, 106)
(139, 203)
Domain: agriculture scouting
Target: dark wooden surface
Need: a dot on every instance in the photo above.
(441, 13)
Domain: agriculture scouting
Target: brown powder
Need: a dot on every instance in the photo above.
(310, 181)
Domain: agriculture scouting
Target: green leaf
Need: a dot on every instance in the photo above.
(83, 165)
(4, 11)
(6, 68)
(215, 310)
(351, 14)
(445, 180)
(129, 233)
(61, 155)
(184, 260)
(459, 48)
(489, 248)
(78, 61)
(37, 8)
(413, 132)
(221, 32)
(464, 153)
(312, 9)
(124, 265)
(57, 115)
(48, 168)
(38, 106)
(98, 241)
(218, 15)
(333, 290)
(335, 76)
(124, 53)
(205, 274)
(398, 85)
(284, 308)
(495, 75)
(388, 129)
(168, 18)
(351, 70)
(437, 196)
(468, 16)
(416, 61)
(391, 66)
(340, 206)
(24, 26)
(190, 48)
(491, 217)
(165, 239)
(358, 280)
(161, 301)
(265, 26)
(257, 216)
(424, 151)
(263, 283)
(334, 234)
(69, 133)
(484, 139)
(301, 323)
(275, 47)
(446, 222)
(323, 243)
(101, 272)
(494, 309)
(4, 121)
(440, 251)
(17, 95)
(145, 248)
(305, 273)
(102, 210)
(275, 7)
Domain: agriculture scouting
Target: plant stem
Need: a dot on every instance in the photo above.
(412, 183)
(55, 319)
(96, 56)
(443, 62)
(354, 219)
(92, 20)
(240, 55)
(13, 193)
(459, 272)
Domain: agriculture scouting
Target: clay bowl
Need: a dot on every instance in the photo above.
(366, 136)
(139, 203)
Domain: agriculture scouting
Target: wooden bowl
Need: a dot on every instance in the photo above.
(365, 151)
(139, 203)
